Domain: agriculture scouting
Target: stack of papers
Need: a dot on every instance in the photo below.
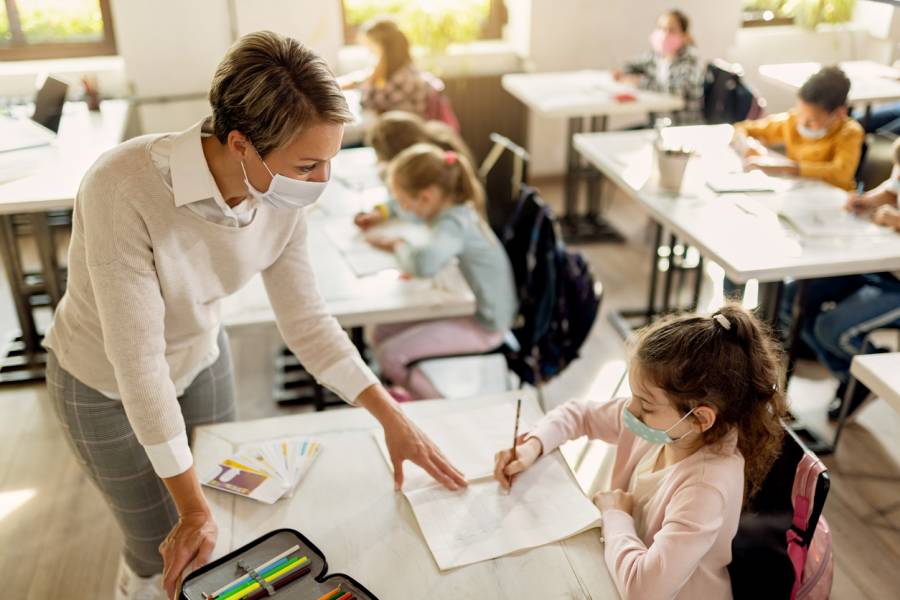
(265, 471)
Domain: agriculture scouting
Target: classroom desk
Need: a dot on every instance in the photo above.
(34, 183)
(878, 372)
(347, 506)
(579, 96)
(746, 245)
(870, 82)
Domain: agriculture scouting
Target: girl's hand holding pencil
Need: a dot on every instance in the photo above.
(508, 463)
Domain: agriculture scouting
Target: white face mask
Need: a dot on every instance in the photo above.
(812, 134)
(285, 192)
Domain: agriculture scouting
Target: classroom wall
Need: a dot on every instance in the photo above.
(171, 48)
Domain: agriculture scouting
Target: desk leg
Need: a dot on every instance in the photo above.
(621, 320)
(590, 226)
(23, 358)
(294, 385)
(43, 237)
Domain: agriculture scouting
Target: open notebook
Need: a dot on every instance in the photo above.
(484, 521)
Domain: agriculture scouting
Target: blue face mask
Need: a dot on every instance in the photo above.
(654, 436)
(812, 134)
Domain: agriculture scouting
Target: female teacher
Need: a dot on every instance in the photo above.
(164, 227)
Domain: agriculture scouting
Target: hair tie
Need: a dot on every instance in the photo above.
(723, 321)
(450, 157)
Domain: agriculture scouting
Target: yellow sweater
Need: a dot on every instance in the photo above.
(832, 159)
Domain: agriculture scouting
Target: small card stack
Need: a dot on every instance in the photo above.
(265, 471)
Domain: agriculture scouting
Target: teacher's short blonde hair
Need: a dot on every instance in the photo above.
(269, 87)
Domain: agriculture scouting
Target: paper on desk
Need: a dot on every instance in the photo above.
(364, 258)
(482, 522)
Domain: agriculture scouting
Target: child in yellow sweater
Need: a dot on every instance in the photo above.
(820, 139)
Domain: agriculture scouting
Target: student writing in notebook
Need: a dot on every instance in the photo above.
(840, 312)
(440, 187)
(693, 442)
(395, 131)
(820, 139)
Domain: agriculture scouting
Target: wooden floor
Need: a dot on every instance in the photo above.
(59, 541)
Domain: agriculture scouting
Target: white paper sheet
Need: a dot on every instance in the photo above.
(484, 521)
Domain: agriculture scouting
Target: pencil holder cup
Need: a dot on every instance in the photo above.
(671, 163)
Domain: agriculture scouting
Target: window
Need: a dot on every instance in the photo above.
(434, 24)
(767, 12)
(37, 29)
(806, 13)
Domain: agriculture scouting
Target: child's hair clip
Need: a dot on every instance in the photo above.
(723, 321)
(450, 157)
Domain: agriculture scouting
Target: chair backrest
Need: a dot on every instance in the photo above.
(726, 96)
(769, 552)
(503, 171)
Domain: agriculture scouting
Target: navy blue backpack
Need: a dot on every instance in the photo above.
(557, 304)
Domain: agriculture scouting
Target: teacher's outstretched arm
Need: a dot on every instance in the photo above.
(405, 441)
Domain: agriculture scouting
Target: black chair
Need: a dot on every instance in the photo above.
(726, 96)
(760, 566)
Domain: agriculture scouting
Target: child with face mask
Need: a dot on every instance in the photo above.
(820, 139)
(440, 188)
(671, 66)
(840, 312)
(693, 442)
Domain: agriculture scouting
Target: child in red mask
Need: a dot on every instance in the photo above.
(672, 65)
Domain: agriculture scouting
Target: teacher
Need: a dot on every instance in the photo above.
(164, 227)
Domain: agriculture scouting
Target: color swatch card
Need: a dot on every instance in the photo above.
(484, 521)
(265, 471)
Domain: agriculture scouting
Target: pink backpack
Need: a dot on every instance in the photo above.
(812, 559)
(783, 548)
(438, 107)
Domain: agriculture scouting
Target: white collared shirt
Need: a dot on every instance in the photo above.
(181, 162)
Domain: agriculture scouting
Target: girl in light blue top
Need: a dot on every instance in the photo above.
(440, 187)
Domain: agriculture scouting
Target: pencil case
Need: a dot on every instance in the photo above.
(211, 578)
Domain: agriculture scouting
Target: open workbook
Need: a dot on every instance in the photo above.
(484, 521)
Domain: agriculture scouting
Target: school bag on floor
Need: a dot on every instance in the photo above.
(555, 288)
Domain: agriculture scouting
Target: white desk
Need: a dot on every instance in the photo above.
(577, 95)
(870, 82)
(881, 374)
(33, 182)
(347, 507)
(747, 246)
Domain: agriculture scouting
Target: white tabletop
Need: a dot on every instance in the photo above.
(869, 81)
(347, 506)
(584, 93)
(53, 173)
(355, 300)
(747, 246)
(881, 374)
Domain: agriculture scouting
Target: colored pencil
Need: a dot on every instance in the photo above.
(249, 589)
(330, 595)
(280, 583)
(260, 567)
